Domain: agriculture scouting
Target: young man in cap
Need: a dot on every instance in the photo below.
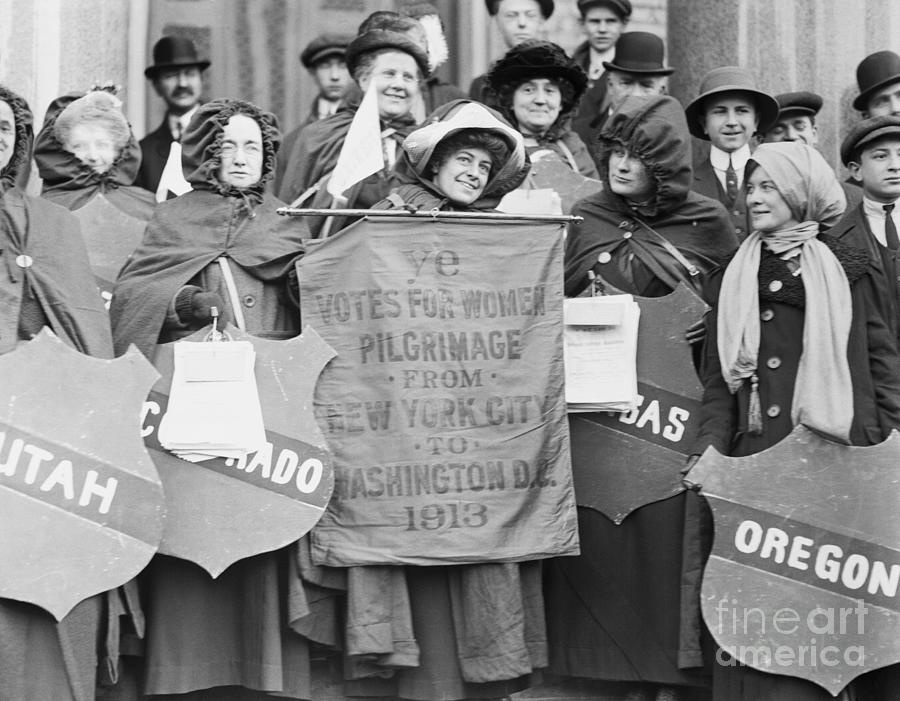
(603, 22)
(878, 78)
(517, 21)
(871, 152)
(728, 111)
(323, 57)
(636, 69)
(796, 119)
(177, 77)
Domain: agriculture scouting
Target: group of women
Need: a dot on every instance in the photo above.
(620, 611)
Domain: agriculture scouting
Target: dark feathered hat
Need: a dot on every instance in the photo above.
(536, 58)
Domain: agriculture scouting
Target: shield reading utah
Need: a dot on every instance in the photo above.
(804, 573)
(110, 236)
(622, 461)
(81, 504)
(444, 406)
(220, 511)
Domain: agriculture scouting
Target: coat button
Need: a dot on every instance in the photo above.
(775, 285)
(738, 230)
(604, 257)
(773, 363)
(773, 411)
(24, 261)
(767, 315)
(248, 300)
(736, 213)
(626, 235)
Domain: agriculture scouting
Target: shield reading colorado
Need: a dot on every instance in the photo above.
(805, 568)
(81, 504)
(222, 510)
(444, 406)
(622, 461)
(110, 236)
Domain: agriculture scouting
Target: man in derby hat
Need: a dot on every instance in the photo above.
(177, 77)
(796, 119)
(878, 78)
(603, 22)
(728, 111)
(517, 21)
(636, 69)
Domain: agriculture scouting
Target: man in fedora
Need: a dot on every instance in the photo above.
(517, 20)
(727, 113)
(636, 69)
(796, 119)
(878, 78)
(177, 77)
(603, 22)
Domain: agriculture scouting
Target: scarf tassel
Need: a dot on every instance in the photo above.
(754, 410)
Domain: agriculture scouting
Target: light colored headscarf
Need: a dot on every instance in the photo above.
(823, 393)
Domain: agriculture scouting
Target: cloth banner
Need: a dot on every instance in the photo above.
(444, 408)
(804, 574)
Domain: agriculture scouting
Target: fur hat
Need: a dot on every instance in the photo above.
(376, 39)
(536, 58)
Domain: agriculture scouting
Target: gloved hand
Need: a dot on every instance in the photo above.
(696, 332)
(194, 306)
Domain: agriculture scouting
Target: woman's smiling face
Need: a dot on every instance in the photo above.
(463, 175)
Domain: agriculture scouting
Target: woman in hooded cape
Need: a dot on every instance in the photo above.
(227, 638)
(41, 658)
(613, 611)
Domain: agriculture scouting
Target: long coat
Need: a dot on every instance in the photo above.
(875, 376)
(706, 183)
(154, 154)
(594, 106)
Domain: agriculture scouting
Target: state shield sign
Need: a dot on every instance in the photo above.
(110, 236)
(804, 573)
(220, 511)
(622, 461)
(81, 504)
(550, 172)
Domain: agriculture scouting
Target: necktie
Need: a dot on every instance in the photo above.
(731, 185)
(179, 130)
(890, 229)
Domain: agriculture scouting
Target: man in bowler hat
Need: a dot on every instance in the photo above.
(727, 113)
(517, 21)
(177, 77)
(878, 78)
(636, 69)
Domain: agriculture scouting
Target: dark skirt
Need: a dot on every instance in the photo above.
(613, 611)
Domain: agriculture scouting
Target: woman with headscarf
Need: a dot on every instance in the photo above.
(795, 337)
(537, 87)
(613, 611)
(396, 65)
(46, 280)
(221, 245)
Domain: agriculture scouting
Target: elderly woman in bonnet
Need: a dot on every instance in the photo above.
(537, 88)
(395, 65)
(465, 157)
(85, 148)
(796, 336)
(46, 281)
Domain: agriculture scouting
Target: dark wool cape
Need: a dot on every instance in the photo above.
(188, 233)
(614, 611)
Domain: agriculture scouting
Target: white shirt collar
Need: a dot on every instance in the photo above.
(596, 67)
(739, 158)
(874, 212)
(182, 120)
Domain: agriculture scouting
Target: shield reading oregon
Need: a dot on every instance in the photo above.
(622, 461)
(444, 406)
(81, 504)
(805, 568)
(110, 236)
(222, 510)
